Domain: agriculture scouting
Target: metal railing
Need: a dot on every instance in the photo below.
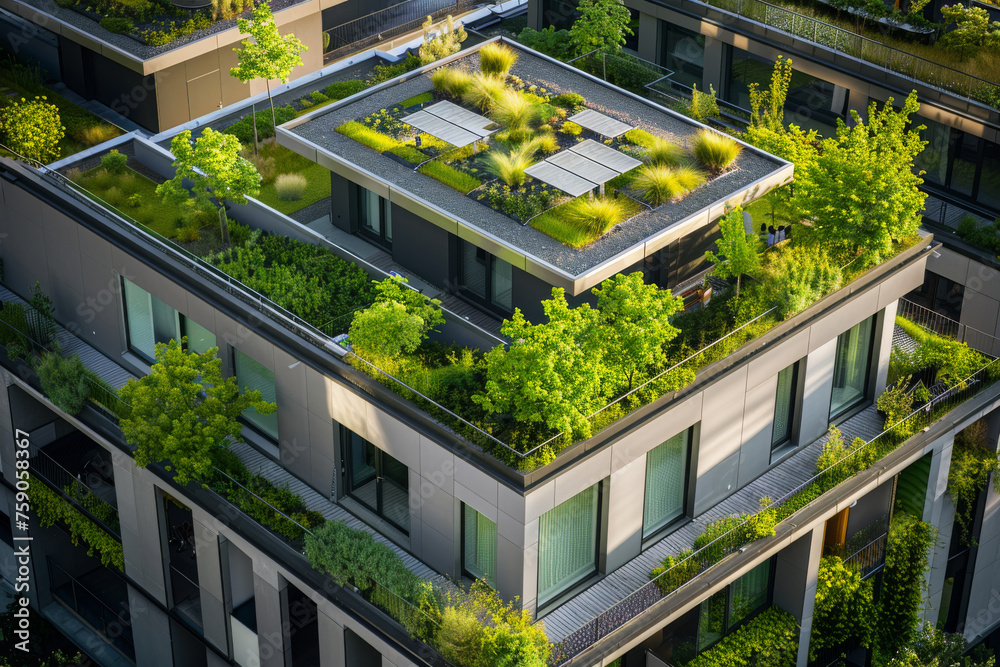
(866, 548)
(399, 19)
(75, 486)
(945, 326)
(115, 626)
(185, 596)
(688, 567)
(899, 62)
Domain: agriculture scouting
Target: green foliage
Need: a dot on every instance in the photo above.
(513, 110)
(301, 277)
(972, 462)
(385, 72)
(901, 599)
(509, 166)
(496, 59)
(641, 138)
(657, 183)
(243, 128)
(934, 648)
(799, 276)
(184, 410)
(663, 152)
(954, 361)
(176, 30)
(15, 325)
(571, 129)
(64, 381)
(549, 41)
(448, 40)
(595, 215)
(973, 29)
(770, 638)
(985, 236)
(338, 90)
(739, 252)
(842, 461)
(674, 572)
(290, 187)
(40, 314)
(715, 150)
(363, 134)
(118, 25)
(897, 404)
(32, 128)
(114, 162)
(397, 322)
(569, 101)
(483, 91)
(450, 176)
(863, 194)
(417, 100)
(735, 531)
(767, 107)
(703, 106)
(844, 608)
(602, 24)
(50, 507)
(451, 80)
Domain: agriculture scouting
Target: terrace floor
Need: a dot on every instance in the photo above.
(775, 483)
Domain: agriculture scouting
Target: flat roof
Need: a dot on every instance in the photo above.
(314, 136)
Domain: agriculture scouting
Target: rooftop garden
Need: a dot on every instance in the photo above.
(40, 124)
(527, 125)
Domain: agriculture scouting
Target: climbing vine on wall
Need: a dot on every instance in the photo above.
(49, 507)
(971, 465)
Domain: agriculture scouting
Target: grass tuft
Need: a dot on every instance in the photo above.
(496, 59)
(367, 136)
(596, 215)
(663, 152)
(514, 112)
(483, 91)
(290, 187)
(509, 167)
(716, 151)
(658, 183)
(451, 80)
(450, 176)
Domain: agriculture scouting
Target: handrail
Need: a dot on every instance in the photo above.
(697, 562)
(943, 325)
(890, 58)
(120, 628)
(72, 482)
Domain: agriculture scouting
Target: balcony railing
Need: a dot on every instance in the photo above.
(689, 568)
(945, 326)
(61, 479)
(866, 548)
(115, 626)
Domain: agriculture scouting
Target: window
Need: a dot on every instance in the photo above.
(567, 543)
(375, 217)
(784, 407)
(251, 375)
(850, 367)
(485, 277)
(666, 477)
(721, 613)
(479, 551)
(149, 321)
(376, 480)
(683, 54)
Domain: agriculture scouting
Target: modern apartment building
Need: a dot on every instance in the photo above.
(573, 536)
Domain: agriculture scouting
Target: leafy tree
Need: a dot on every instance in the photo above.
(398, 321)
(973, 29)
(844, 607)
(863, 193)
(64, 381)
(448, 41)
(552, 372)
(270, 55)
(799, 148)
(936, 648)
(739, 252)
(184, 410)
(767, 107)
(216, 170)
(603, 24)
(636, 323)
(32, 128)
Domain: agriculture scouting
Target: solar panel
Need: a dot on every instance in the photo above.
(599, 123)
(450, 123)
(606, 156)
(583, 167)
(558, 177)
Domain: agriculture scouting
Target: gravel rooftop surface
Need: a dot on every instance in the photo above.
(138, 49)
(557, 80)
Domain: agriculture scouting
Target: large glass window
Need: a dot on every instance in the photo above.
(485, 277)
(375, 217)
(376, 480)
(251, 376)
(784, 407)
(149, 321)
(683, 54)
(567, 543)
(989, 176)
(934, 158)
(722, 612)
(963, 169)
(850, 368)
(666, 476)
(479, 552)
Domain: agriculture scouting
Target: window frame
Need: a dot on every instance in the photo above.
(730, 627)
(347, 480)
(488, 260)
(384, 236)
(566, 589)
(794, 405)
(847, 409)
(243, 419)
(655, 533)
(181, 323)
(464, 536)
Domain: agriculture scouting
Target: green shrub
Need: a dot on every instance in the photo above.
(451, 80)
(703, 106)
(460, 637)
(571, 129)
(674, 572)
(318, 97)
(64, 381)
(954, 361)
(897, 404)
(338, 90)
(450, 176)
(596, 216)
(176, 30)
(771, 638)
(512, 111)
(114, 162)
(385, 72)
(50, 507)
(496, 59)
(15, 323)
(664, 152)
(32, 128)
(901, 599)
(716, 151)
(972, 463)
(243, 128)
(844, 608)
(572, 101)
(549, 41)
(118, 25)
(367, 136)
(483, 91)
(290, 187)
(641, 138)
(800, 276)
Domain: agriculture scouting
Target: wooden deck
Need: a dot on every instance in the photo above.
(776, 482)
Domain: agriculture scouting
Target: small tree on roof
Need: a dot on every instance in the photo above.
(603, 24)
(270, 55)
(739, 252)
(216, 170)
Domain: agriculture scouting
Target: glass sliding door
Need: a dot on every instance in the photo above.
(851, 366)
(251, 376)
(666, 477)
(567, 543)
(376, 480)
(479, 551)
(375, 217)
(485, 278)
(784, 407)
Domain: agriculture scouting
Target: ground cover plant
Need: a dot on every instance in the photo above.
(274, 161)
(531, 124)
